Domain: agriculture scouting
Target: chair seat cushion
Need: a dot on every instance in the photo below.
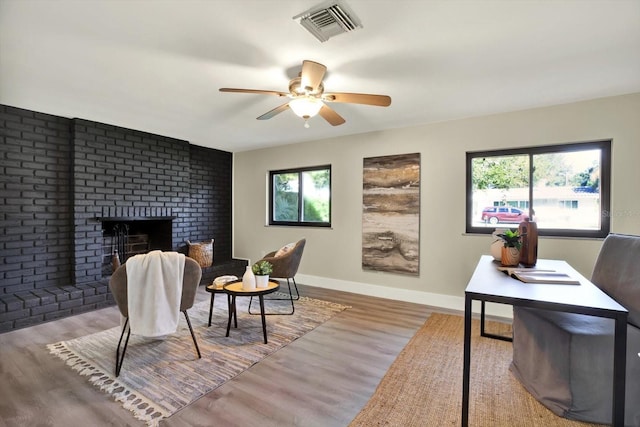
(565, 360)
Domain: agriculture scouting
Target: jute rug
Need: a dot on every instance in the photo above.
(423, 386)
(161, 376)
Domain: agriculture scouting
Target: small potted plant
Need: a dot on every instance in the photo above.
(511, 247)
(262, 270)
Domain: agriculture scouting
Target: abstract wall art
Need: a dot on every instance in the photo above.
(391, 214)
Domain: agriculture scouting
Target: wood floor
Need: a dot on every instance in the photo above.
(322, 379)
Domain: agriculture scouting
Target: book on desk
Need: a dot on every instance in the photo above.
(529, 275)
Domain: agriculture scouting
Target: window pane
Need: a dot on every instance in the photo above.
(285, 200)
(567, 186)
(316, 195)
(300, 197)
(566, 190)
(500, 190)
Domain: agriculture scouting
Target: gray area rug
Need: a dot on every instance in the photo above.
(161, 376)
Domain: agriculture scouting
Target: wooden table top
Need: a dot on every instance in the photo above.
(236, 288)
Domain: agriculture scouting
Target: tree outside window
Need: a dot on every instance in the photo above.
(564, 188)
(301, 197)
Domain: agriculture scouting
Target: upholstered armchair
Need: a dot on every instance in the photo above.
(565, 360)
(118, 285)
(286, 261)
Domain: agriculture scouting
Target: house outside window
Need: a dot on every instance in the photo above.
(564, 188)
(300, 197)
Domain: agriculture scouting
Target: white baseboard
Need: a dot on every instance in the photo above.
(449, 302)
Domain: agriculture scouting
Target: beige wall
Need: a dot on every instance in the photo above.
(447, 256)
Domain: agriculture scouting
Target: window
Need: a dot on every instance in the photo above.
(300, 197)
(566, 188)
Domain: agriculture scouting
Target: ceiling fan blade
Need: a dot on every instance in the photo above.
(331, 116)
(258, 91)
(312, 75)
(358, 98)
(273, 112)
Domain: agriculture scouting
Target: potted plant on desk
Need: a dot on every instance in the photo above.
(262, 270)
(511, 247)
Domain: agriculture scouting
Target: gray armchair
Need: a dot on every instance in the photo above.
(565, 360)
(285, 267)
(118, 284)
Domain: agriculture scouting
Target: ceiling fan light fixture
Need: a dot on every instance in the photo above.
(306, 94)
(305, 106)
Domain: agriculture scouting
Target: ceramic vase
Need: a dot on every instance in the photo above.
(248, 280)
(262, 281)
(528, 231)
(510, 257)
(496, 249)
(497, 244)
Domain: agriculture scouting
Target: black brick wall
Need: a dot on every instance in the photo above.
(130, 171)
(210, 206)
(36, 242)
(57, 175)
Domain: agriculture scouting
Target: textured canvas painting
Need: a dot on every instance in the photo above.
(391, 214)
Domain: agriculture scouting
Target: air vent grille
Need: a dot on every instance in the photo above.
(329, 20)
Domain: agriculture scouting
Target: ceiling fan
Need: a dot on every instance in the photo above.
(307, 96)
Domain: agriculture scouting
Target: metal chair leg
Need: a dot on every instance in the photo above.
(186, 316)
(119, 359)
(296, 286)
(291, 298)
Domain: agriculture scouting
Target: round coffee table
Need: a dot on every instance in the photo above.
(235, 290)
(214, 289)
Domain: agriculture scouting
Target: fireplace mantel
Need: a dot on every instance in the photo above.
(134, 218)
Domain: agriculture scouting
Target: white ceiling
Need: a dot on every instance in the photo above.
(157, 65)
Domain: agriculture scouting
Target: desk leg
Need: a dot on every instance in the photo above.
(232, 310)
(482, 311)
(619, 370)
(487, 334)
(264, 320)
(466, 369)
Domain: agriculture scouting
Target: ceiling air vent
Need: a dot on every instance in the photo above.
(329, 20)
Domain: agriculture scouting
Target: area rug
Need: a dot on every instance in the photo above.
(423, 386)
(161, 376)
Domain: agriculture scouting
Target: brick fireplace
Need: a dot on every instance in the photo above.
(127, 236)
(66, 183)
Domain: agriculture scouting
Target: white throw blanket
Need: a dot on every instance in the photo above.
(154, 290)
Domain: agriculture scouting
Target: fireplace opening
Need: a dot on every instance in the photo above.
(127, 237)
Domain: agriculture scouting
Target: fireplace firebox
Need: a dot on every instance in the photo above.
(129, 236)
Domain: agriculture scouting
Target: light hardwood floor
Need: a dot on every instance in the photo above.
(322, 379)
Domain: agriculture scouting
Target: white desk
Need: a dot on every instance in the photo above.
(490, 285)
